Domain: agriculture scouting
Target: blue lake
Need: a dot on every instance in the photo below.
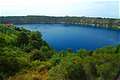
(61, 37)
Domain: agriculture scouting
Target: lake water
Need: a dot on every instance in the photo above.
(61, 37)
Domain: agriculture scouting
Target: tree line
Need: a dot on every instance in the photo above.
(93, 21)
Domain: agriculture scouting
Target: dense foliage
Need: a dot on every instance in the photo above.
(25, 56)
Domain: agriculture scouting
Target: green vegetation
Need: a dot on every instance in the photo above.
(99, 22)
(25, 56)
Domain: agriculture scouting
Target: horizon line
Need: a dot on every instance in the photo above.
(60, 16)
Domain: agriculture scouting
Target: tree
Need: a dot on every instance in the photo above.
(35, 40)
(22, 39)
(2, 42)
(12, 60)
(43, 54)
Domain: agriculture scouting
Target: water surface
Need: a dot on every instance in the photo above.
(61, 37)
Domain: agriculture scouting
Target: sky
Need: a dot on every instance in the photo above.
(89, 8)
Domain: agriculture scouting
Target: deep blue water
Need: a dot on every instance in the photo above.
(61, 37)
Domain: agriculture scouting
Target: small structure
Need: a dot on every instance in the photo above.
(8, 24)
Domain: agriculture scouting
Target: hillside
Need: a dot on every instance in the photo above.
(24, 55)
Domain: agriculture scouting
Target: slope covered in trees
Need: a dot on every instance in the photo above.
(25, 56)
(100, 22)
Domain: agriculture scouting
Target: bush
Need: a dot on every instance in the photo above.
(12, 61)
